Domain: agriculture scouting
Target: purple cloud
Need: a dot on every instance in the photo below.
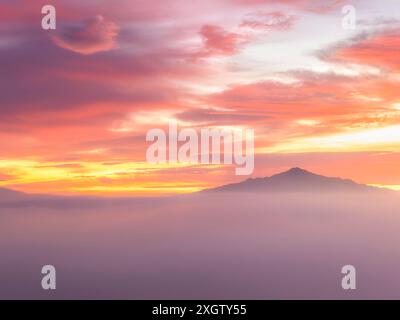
(90, 36)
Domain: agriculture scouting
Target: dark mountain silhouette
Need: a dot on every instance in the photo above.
(11, 195)
(296, 180)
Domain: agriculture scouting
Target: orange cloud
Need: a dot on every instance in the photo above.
(380, 50)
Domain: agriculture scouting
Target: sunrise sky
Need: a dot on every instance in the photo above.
(76, 102)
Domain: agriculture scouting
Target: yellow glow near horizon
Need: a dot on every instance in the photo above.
(386, 186)
(147, 189)
(86, 177)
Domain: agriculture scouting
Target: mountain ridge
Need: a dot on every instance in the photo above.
(9, 194)
(296, 180)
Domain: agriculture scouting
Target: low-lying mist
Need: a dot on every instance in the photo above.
(203, 246)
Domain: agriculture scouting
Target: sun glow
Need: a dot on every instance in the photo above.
(95, 177)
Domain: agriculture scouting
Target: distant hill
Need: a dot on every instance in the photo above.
(296, 180)
(11, 195)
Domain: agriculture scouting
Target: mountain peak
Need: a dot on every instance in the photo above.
(10, 195)
(296, 171)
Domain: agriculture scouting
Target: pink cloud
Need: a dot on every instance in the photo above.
(91, 36)
(333, 101)
(269, 21)
(218, 41)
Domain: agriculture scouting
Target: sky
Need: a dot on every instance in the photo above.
(76, 102)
